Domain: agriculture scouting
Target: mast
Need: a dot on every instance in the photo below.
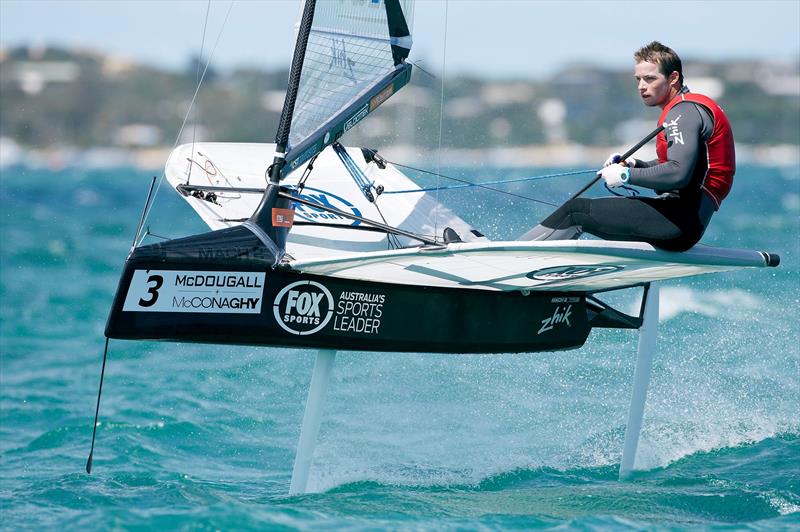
(263, 217)
(282, 136)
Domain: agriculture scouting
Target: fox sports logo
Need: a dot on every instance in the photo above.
(304, 307)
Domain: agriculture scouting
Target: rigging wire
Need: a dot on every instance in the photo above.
(417, 65)
(466, 184)
(392, 240)
(197, 80)
(149, 205)
(150, 233)
(301, 184)
(441, 115)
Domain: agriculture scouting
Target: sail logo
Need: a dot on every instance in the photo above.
(303, 308)
(195, 291)
(310, 214)
(564, 273)
(339, 59)
(559, 316)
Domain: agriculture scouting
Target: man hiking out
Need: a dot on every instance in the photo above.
(692, 174)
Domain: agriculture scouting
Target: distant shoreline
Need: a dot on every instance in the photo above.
(548, 156)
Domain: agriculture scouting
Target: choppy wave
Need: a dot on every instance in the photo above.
(194, 436)
(733, 303)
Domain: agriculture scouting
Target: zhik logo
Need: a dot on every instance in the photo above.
(559, 316)
(674, 132)
(304, 307)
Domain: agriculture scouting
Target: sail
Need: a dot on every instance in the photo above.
(354, 61)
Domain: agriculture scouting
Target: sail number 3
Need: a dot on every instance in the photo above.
(195, 291)
(152, 290)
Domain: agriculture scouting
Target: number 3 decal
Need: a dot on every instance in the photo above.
(153, 291)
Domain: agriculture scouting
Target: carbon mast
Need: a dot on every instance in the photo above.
(265, 218)
(357, 61)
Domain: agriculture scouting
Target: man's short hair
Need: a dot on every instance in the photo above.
(663, 56)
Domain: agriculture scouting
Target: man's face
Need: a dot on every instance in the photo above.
(654, 87)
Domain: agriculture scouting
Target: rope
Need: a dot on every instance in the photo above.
(392, 241)
(466, 184)
(301, 184)
(149, 207)
(197, 80)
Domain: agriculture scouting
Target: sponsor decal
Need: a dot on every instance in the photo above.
(381, 97)
(359, 312)
(562, 273)
(566, 299)
(304, 307)
(195, 291)
(312, 214)
(559, 316)
(327, 138)
(673, 131)
(356, 118)
(282, 217)
(233, 252)
(306, 155)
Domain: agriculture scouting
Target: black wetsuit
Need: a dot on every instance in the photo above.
(677, 218)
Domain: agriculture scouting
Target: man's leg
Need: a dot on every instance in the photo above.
(651, 220)
(541, 232)
(560, 225)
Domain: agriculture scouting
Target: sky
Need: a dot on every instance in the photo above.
(494, 39)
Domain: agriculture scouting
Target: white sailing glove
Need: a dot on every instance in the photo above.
(615, 158)
(612, 159)
(615, 175)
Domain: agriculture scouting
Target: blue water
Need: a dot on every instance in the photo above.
(203, 437)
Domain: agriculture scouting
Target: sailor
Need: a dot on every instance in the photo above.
(691, 176)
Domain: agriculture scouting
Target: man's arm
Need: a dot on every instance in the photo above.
(688, 125)
(645, 164)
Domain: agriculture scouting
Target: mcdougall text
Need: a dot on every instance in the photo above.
(218, 281)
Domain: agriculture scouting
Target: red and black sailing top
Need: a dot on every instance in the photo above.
(720, 150)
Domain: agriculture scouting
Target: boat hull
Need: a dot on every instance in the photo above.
(250, 304)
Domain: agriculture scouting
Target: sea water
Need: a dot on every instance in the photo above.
(203, 436)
